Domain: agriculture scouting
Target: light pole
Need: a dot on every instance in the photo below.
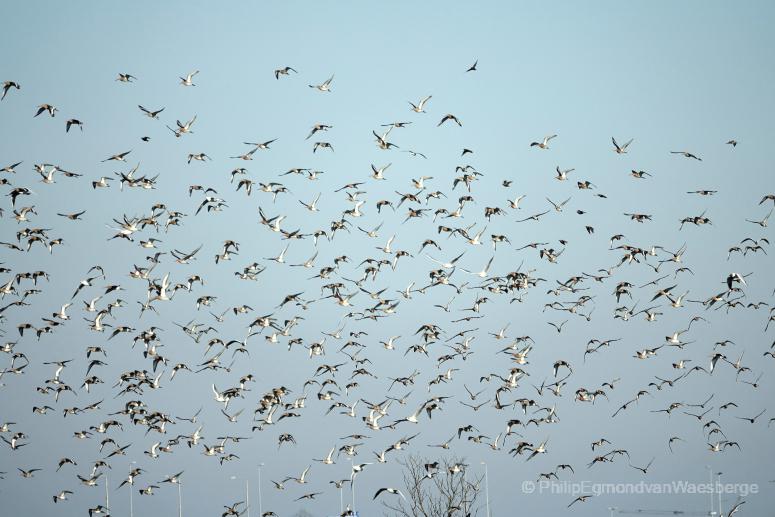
(465, 490)
(486, 488)
(260, 502)
(131, 489)
(247, 493)
(180, 501)
(247, 496)
(612, 509)
(710, 474)
(352, 482)
(107, 496)
(718, 476)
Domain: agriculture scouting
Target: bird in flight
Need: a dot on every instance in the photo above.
(621, 149)
(325, 86)
(188, 80)
(543, 144)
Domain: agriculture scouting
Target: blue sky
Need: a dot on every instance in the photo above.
(673, 76)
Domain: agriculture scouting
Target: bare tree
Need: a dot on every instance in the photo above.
(436, 489)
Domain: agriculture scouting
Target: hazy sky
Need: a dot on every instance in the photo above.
(672, 75)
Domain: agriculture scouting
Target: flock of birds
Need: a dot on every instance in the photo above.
(466, 268)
